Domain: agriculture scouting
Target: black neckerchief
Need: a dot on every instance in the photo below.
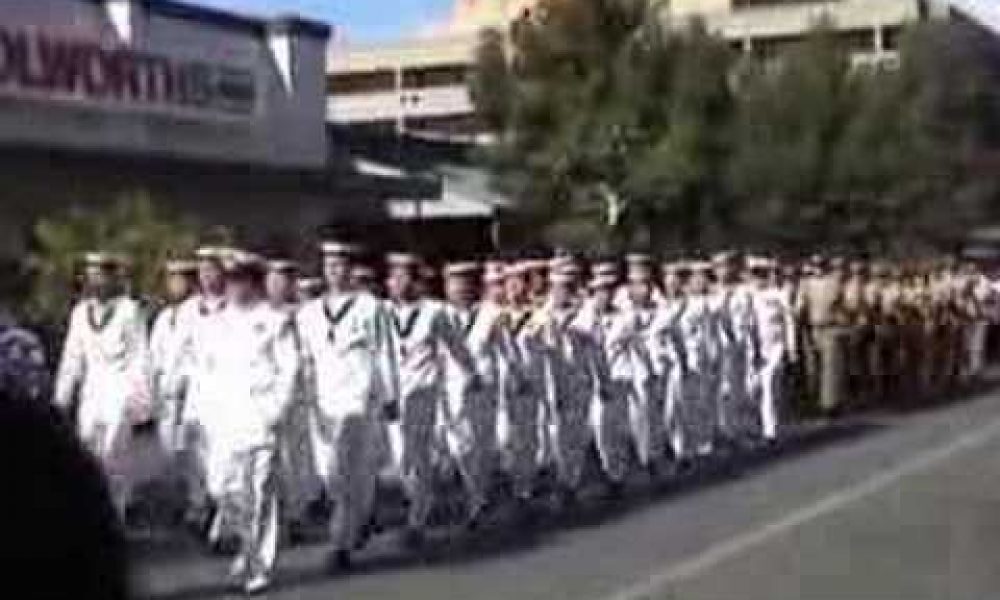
(206, 311)
(406, 329)
(519, 324)
(334, 319)
(99, 324)
(467, 329)
(569, 318)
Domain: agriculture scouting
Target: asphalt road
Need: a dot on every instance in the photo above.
(881, 508)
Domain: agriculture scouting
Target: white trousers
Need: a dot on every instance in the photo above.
(415, 452)
(248, 509)
(471, 436)
(612, 430)
(349, 459)
(769, 393)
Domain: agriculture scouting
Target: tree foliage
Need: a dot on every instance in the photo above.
(133, 226)
(614, 127)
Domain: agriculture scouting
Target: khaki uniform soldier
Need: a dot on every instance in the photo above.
(857, 313)
(916, 309)
(829, 325)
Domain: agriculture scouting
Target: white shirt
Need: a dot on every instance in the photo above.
(245, 361)
(347, 341)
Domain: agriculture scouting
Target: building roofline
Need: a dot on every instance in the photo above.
(224, 19)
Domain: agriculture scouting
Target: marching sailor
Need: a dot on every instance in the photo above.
(350, 362)
(570, 363)
(301, 483)
(669, 360)
(523, 387)
(104, 377)
(425, 336)
(777, 341)
(165, 344)
(193, 315)
(245, 362)
(620, 342)
(699, 331)
(471, 405)
(740, 350)
(646, 398)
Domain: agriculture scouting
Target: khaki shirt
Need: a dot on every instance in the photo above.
(823, 299)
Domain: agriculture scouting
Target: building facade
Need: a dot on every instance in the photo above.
(217, 115)
(418, 86)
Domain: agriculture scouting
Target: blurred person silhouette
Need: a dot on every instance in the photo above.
(62, 537)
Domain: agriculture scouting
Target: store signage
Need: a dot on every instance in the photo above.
(39, 65)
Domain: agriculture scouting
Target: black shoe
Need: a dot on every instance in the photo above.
(613, 489)
(340, 560)
(414, 538)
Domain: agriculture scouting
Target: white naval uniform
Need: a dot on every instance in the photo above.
(668, 355)
(165, 344)
(244, 363)
(347, 340)
(646, 401)
(570, 363)
(194, 315)
(105, 377)
(740, 354)
(620, 370)
(775, 324)
(300, 479)
(471, 405)
(425, 336)
(986, 300)
(522, 393)
(699, 331)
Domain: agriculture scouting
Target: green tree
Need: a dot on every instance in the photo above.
(132, 226)
(605, 122)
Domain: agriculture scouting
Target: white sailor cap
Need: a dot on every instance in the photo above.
(724, 257)
(638, 258)
(602, 280)
(282, 265)
(180, 266)
(339, 248)
(494, 274)
(536, 264)
(758, 263)
(104, 260)
(241, 261)
(699, 266)
(402, 259)
(605, 268)
(562, 277)
(309, 285)
(461, 269)
(216, 253)
(518, 269)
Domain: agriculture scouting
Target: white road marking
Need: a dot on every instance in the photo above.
(657, 583)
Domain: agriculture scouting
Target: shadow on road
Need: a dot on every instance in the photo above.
(503, 536)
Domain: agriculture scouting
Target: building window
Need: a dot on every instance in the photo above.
(361, 82)
(773, 47)
(451, 125)
(857, 40)
(445, 75)
(891, 37)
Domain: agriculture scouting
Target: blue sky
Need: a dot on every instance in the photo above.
(359, 20)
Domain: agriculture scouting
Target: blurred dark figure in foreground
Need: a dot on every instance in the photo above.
(23, 367)
(62, 538)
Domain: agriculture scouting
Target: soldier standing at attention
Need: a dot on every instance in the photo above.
(857, 314)
(828, 321)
